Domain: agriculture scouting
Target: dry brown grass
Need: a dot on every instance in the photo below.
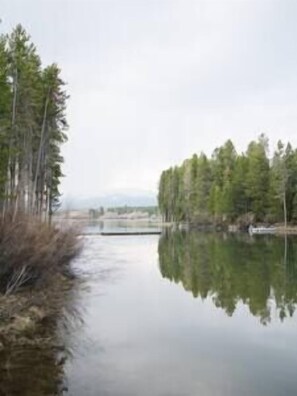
(33, 252)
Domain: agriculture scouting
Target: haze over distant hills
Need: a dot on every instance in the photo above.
(110, 200)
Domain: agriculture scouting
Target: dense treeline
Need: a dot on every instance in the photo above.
(232, 187)
(32, 126)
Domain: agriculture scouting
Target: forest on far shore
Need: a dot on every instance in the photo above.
(231, 187)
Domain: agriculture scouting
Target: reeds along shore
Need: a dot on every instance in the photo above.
(36, 279)
(32, 253)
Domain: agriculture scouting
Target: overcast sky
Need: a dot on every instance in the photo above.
(153, 81)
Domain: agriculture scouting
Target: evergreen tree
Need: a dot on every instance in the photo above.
(231, 187)
(257, 178)
(32, 128)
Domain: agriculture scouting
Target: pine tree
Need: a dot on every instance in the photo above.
(32, 128)
(257, 178)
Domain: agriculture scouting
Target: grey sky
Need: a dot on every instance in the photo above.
(152, 82)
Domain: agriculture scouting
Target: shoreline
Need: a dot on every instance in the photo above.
(36, 280)
(281, 230)
(230, 228)
(29, 317)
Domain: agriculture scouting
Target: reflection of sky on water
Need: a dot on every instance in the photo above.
(145, 335)
(97, 226)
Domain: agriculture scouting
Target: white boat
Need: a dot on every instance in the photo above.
(261, 230)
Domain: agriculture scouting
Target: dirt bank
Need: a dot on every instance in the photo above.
(30, 317)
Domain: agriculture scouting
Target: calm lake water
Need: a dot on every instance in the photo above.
(183, 315)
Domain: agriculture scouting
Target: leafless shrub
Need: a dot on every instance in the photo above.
(32, 252)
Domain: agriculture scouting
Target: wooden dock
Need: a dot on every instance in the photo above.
(122, 233)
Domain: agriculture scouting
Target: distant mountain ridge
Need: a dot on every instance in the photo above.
(111, 200)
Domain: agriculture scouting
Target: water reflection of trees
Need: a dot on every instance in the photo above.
(259, 272)
(31, 371)
(37, 368)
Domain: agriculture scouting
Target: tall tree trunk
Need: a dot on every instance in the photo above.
(285, 209)
(41, 143)
(10, 183)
